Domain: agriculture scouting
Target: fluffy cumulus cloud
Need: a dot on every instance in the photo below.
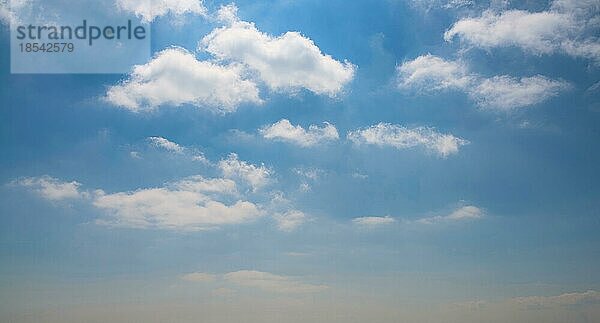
(175, 77)
(569, 26)
(166, 144)
(270, 282)
(255, 176)
(191, 204)
(244, 57)
(148, 10)
(51, 188)
(430, 73)
(290, 220)
(464, 213)
(284, 63)
(373, 221)
(283, 130)
(399, 137)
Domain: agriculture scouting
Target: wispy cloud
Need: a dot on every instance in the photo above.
(256, 176)
(430, 73)
(566, 299)
(537, 302)
(261, 280)
(400, 137)
(271, 283)
(464, 213)
(199, 277)
(148, 10)
(166, 144)
(51, 188)
(290, 220)
(373, 221)
(568, 27)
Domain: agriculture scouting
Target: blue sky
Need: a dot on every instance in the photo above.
(293, 161)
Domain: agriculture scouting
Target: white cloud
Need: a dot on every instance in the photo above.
(297, 254)
(567, 299)
(284, 63)
(175, 77)
(464, 213)
(290, 220)
(256, 176)
(9, 10)
(51, 188)
(430, 73)
(199, 277)
(309, 173)
(270, 282)
(6, 15)
(373, 221)
(506, 93)
(194, 203)
(358, 175)
(148, 10)
(199, 157)
(536, 32)
(427, 5)
(569, 27)
(283, 130)
(166, 144)
(207, 185)
(175, 148)
(399, 137)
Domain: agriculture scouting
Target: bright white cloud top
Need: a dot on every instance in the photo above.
(284, 131)
(148, 10)
(284, 63)
(569, 27)
(175, 77)
(400, 137)
(246, 57)
(429, 73)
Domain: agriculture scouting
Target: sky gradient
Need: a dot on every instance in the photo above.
(311, 161)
